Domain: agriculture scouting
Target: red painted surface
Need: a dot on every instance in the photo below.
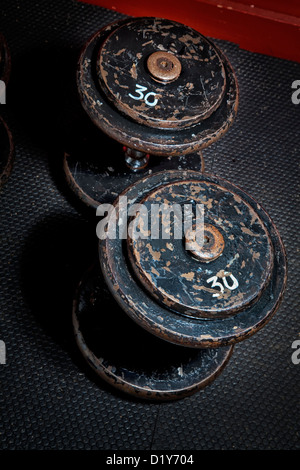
(270, 27)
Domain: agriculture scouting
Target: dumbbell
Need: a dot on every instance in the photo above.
(158, 316)
(158, 92)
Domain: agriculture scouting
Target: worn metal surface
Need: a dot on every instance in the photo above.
(128, 357)
(6, 152)
(96, 168)
(199, 85)
(125, 69)
(182, 282)
(215, 99)
(253, 254)
(136, 160)
(164, 66)
(212, 246)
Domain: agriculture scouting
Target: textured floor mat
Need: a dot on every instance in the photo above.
(49, 398)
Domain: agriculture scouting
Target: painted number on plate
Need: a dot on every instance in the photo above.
(149, 98)
(215, 283)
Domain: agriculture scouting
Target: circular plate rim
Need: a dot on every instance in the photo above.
(88, 200)
(137, 136)
(177, 306)
(123, 385)
(156, 123)
(200, 335)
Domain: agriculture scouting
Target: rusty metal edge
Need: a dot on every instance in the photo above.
(190, 341)
(149, 146)
(125, 386)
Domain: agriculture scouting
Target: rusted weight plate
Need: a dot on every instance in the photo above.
(181, 295)
(131, 359)
(160, 116)
(104, 174)
(161, 73)
(236, 258)
(6, 152)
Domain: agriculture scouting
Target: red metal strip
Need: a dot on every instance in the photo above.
(269, 27)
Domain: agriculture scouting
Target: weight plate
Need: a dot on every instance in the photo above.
(232, 295)
(161, 73)
(6, 152)
(191, 284)
(131, 359)
(100, 91)
(96, 170)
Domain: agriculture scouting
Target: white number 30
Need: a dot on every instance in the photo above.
(215, 283)
(139, 90)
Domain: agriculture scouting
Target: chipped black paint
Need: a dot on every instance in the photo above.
(177, 279)
(96, 170)
(161, 320)
(185, 101)
(129, 358)
(153, 140)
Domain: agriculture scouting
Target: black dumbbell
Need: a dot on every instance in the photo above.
(160, 92)
(190, 302)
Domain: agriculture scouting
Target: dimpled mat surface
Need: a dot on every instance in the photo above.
(49, 397)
